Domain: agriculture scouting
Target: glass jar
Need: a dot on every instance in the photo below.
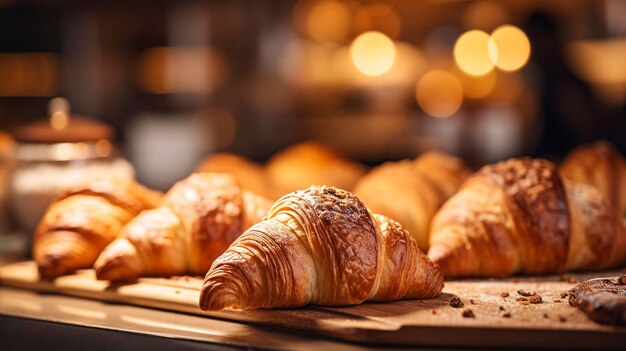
(41, 170)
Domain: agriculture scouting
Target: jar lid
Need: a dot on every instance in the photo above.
(65, 151)
(76, 129)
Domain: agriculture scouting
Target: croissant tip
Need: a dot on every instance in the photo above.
(52, 265)
(217, 297)
(115, 269)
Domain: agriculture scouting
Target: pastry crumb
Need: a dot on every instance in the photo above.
(535, 299)
(500, 308)
(562, 319)
(504, 294)
(556, 300)
(433, 312)
(468, 313)
(526, 293)
(564, 294)
(456, 302)
(545, 315)
(472, 301)
(506, 315)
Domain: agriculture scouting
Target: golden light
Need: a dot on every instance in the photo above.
(439, 93)
(59, 120)
(103, 148)
(58, 108)
(477, 87)
(471, 53)
(373, 53)
(329, 20)
(509, 48)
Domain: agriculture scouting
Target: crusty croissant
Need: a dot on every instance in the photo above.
(599, 164)
(520, 216)
(411, 191)
(310, 163)
(319, 246)
(197, 220)
(248, 174)
(85, 218)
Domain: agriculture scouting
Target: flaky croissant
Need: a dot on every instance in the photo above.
(599, 164)
(520, 216)
(85, 218)
(196, 221)
(319, 246)
(248, 174)
(411, 191)
(309, 163)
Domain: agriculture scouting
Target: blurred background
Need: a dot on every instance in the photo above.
(171, 81)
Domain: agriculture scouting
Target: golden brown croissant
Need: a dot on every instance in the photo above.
(599, 164)
(197, 220)
(309, 163)
(411, 191)
(319, 246)
(248, 174)
(85, 218)
(519, 216)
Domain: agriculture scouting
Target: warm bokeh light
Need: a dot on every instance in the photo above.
(168, 70)
(329, 20)
(439, 93)
(471, 53)
(59, 120)
(29, 74)
(373, 53)
(59, 109)
(379, 17)
(509, 48)
(477, 87)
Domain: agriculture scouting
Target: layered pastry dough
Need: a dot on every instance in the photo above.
(85, 218)
(520, 216)
(411, 191)
(309, 163)
(319, 246)
(196, 221)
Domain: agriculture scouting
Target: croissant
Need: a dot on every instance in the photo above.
(599, 164)
(520, 216)
(83, 219)
(411, 191)
(319, 246)
(248, 174)
(196, 221)
(310, 163)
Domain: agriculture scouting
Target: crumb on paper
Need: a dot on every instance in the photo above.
(500, 308)
(621, 279)
(504, 294)
(456, 302)
(564, 294)
(519, 299)
(535, 299)
(433, 312)
(468, 313)
(556, 300)
(526, 293)
(472, 301)
(562, 319)
(506, 315)
(545, 315)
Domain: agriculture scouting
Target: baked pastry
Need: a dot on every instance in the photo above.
(310, 163)
(411, 191)
(603, 300)
(84, 219)
(249, 175)
(599, 164)
(196, 221)
(319, 246)
(520, 216)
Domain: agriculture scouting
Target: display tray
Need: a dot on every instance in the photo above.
(550, 324)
